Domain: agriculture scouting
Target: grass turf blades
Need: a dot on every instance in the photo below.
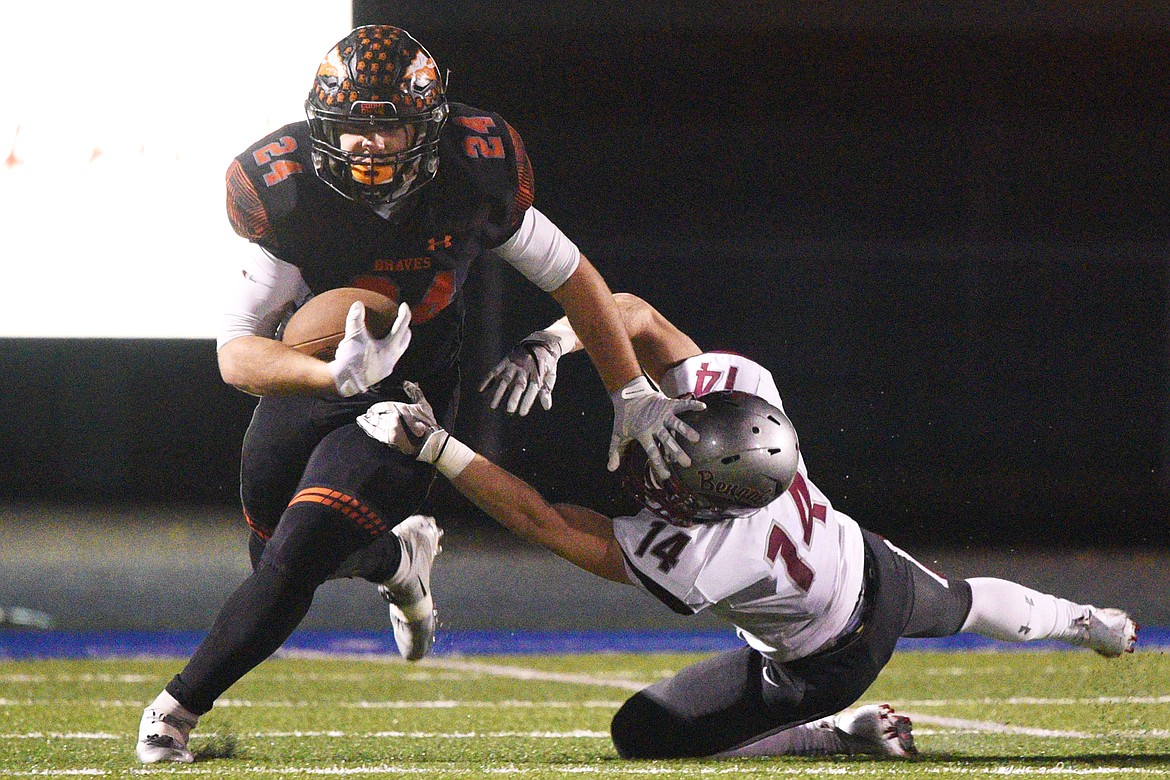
(976, 714)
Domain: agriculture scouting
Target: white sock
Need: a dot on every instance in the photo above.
(1011, 612)
(168, 704)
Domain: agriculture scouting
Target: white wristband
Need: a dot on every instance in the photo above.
(454, 457)
(563, 332)
(449, 455)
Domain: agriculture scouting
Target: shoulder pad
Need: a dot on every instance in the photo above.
(491, 154)
(262, 182)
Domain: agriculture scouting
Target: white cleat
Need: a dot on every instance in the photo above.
(412, 610)
(162, 736)
(1109, 632)
(876, 730)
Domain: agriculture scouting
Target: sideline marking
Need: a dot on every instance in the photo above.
(181, 644)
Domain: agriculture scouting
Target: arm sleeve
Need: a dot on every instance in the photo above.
(541, 252)
(266, 290)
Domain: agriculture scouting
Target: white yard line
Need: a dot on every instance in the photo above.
(99, 678)
(574, 734)
(991, 727)
(520, 673)
(62, 735)
(951, 726)
(587, 680)
(422, 704)
(1037, 700)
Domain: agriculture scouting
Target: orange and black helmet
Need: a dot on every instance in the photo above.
(377, 79)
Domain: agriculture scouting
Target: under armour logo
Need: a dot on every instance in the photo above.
(435, 243)
(1025, 630)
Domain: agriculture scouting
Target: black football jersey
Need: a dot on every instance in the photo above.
(476, 202)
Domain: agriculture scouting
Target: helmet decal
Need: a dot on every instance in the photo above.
(747, 456)
(331, 70)
(422, 80)
(735, 493)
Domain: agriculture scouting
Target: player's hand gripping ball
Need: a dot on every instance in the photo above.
(319, 326)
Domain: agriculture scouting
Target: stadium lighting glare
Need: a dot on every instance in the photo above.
(114, 140)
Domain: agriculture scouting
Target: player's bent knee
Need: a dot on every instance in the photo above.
(313, 538)
(644, 729)
(628, 730)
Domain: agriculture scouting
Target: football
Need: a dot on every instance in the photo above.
(318, 327)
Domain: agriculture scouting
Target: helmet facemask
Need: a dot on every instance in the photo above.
(377, 82)
(377, 179)
(672, 500)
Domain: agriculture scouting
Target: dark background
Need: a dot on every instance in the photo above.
(944, 230)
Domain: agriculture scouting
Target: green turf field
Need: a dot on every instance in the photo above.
(976, 714)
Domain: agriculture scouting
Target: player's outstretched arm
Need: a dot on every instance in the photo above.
(581, 536)
(529, 370)
(658, 344)
(641, 413)
(590, 309)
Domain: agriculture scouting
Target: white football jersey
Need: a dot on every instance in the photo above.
(788, 576)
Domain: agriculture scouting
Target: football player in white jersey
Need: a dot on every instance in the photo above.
(743, 532)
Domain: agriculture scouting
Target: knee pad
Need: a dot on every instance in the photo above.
(939, 609)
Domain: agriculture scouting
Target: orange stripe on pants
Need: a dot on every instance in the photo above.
(349, 506)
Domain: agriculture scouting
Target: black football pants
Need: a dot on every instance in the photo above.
(315, 489)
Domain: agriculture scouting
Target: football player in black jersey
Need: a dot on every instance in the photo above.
(745, 534)
(387, 186)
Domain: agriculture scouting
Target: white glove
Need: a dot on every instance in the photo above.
(412, 430)
(384, 421)
(362, 360)
(641, 412)
(528, 370)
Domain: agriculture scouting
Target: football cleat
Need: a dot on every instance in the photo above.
(162, 736)
(1110, 632)
(875, 729)
(412, 609)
